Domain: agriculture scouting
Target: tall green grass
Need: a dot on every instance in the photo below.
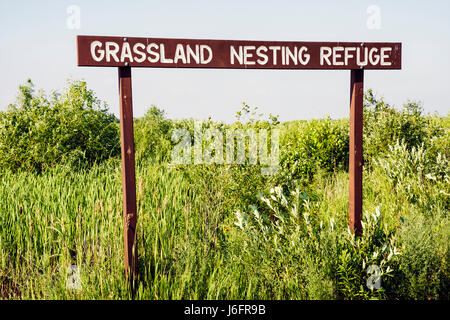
(227, 231)
(190, 247)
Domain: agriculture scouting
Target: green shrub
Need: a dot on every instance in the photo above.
(417, 175)
(439, 131)
(424, 271)
(239, 183)
(309, 145)
(384, 125)
(152, 135)
(72, 128)
(292, 241)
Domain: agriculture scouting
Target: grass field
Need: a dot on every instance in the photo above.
(226, 231)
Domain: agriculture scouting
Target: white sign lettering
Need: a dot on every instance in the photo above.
(189, 53)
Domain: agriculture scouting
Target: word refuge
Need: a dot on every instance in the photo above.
(146, 52)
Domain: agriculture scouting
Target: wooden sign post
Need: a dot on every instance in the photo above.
(128, 175)
(356, 150)
(124, 53)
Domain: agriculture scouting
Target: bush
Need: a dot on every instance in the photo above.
(152, 136)
(383, 126)
(307, 146)
(424, 272)
(299, 253)
(72, 128)
(417, 175)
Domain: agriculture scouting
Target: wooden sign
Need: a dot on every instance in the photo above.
(234, 54)
(124, 53)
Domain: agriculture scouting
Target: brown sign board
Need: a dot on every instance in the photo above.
(101, 51)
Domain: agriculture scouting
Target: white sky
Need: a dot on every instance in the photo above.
(36, 43)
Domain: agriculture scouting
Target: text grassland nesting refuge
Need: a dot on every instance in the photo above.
(236, 54)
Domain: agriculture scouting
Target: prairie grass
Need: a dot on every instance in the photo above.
(224, 231)
(189, 249)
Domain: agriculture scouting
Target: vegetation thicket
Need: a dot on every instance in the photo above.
(221, 231)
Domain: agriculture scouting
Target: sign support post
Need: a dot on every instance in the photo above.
(128, 171)
(356, 150)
